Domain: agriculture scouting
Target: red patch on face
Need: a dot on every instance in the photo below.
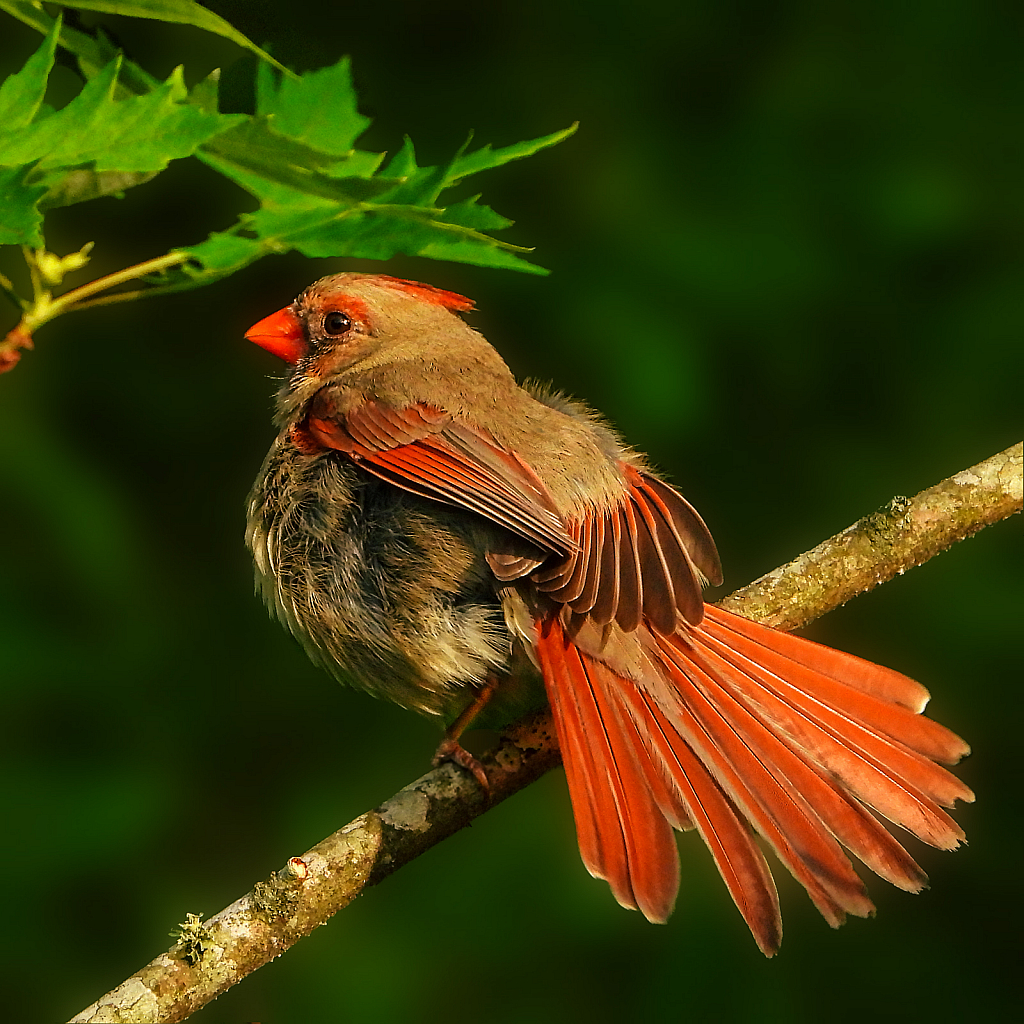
(428, 293)
(354, 308)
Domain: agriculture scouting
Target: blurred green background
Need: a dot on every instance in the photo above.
(787, 247)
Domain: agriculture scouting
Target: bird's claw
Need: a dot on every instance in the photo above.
(453, 751)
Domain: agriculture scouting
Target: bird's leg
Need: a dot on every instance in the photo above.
(451, 750)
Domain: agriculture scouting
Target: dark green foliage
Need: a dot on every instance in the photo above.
(296, 155)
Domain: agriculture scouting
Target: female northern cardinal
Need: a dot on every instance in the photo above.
(422, 522)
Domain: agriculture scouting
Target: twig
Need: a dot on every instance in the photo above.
(44, 308)
(210, 957)
(101, 284)
(7, 287)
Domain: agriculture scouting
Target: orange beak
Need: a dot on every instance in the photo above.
(280, 333)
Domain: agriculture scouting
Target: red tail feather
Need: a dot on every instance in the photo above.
(623, 836)
(695, 796)
(735, 726)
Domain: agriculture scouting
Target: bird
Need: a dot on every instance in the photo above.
(444, 537)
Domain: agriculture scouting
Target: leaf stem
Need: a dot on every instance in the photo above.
(33, 270)
(109, 300)
(45, 308)
(74, 298)
(7, 287)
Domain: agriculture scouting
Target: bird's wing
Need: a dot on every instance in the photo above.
(644, 559)
(424, 450)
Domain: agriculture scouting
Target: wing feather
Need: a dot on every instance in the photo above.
(427, 452)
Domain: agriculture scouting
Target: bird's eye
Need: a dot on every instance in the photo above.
(336, 322)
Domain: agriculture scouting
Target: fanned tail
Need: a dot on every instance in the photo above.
(739, 726)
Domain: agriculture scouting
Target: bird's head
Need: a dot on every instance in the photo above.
(348, 318)
(383, 337)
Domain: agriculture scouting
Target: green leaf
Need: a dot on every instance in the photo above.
(307, 206)
(425, 186)
(81, 184)
(318, 194)
(319, 108)
(140, 134)
(93, 54)
(476, 252)
(403, 163)
(282, 172)
(22, 94)
(20, 219)
(362, 163)
(180, 12)
(471, 215)
(206, 94)
(223, 253)
(297, 152)
(370, 232)
(485, 158)
(29, 12)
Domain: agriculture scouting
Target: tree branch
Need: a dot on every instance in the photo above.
(210, 957)
(902, 534)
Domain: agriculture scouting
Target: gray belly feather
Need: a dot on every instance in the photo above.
(379, 589)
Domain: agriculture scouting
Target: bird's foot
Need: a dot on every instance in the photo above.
(451, 750)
